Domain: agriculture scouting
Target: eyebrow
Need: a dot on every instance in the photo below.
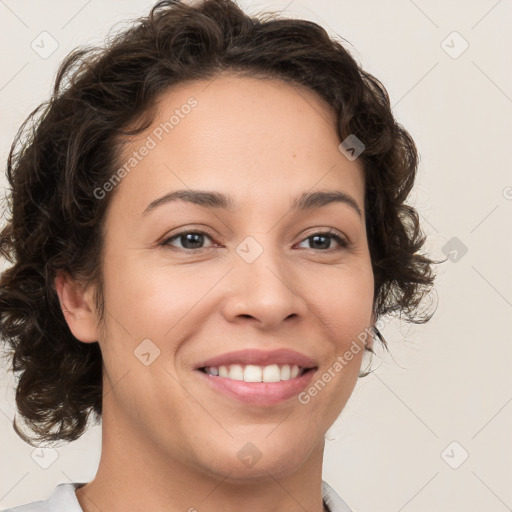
(219, 200)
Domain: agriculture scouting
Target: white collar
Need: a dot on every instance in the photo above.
(63, 499)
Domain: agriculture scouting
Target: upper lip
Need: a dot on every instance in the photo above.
(260, 358)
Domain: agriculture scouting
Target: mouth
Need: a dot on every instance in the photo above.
(258, 377)
(256, 373)
(258, 386)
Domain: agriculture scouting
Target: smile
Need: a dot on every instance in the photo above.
(232, 381)
(255, 373)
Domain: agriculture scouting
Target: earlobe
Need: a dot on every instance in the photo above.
(77, 307)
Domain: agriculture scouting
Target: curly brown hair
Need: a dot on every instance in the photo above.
(69, 146)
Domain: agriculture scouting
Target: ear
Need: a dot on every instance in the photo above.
(77, 306)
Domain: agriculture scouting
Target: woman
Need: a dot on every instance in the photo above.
(207, 225)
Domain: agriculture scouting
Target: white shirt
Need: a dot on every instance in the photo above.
(63, 499)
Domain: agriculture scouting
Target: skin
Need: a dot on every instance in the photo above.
(170, 442)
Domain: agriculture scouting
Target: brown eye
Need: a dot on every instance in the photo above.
(321, 241)
(190, 240)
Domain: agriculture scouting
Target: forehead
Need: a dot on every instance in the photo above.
(251, 137)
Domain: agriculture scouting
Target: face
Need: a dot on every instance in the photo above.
(187, 282)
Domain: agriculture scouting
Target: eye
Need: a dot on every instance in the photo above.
(191, 241)
(317, 239)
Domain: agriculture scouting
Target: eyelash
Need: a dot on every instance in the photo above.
(330, 232)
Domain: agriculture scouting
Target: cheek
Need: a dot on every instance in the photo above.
(149, 300)
(344, 298)
(152, 300)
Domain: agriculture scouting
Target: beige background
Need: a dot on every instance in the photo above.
(448, 381)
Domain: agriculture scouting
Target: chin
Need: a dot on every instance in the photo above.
(262, 458)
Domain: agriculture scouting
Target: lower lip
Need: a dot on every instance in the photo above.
(259, 393)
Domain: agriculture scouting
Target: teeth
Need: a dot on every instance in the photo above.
(254, 373)
(236, 372)
(271, 373)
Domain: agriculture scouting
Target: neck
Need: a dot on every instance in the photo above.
(134, 474)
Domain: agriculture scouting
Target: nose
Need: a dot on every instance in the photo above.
(265, 289)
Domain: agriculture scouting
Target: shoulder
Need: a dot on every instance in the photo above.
(333, 500)
(62, 499)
